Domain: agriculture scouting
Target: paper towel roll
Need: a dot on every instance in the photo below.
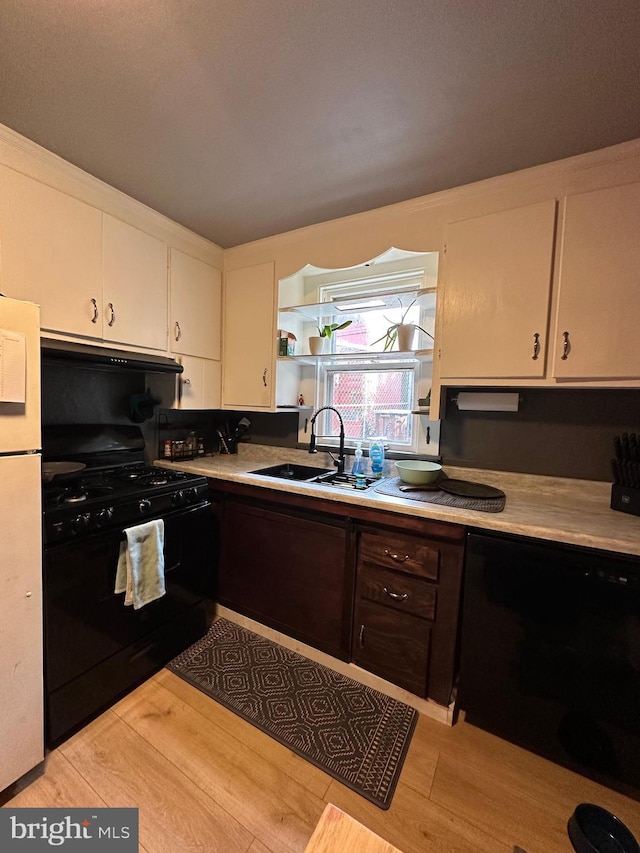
(483, 401)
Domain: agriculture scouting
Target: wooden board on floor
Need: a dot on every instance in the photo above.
(336, 832)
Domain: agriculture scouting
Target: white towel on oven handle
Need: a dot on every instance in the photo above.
(140, 571)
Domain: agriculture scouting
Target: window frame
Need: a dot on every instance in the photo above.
(391, 365)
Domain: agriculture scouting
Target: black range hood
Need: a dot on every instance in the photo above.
(103, 358)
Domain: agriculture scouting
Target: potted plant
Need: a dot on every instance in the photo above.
(402, 331)
(316, 342)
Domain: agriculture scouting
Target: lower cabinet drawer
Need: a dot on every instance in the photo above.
(405, 593)
(392, 645)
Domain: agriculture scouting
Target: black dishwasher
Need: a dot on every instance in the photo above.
(550, 653)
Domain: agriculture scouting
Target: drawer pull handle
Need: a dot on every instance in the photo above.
(396, 557)
(361, 637)
(397, 596)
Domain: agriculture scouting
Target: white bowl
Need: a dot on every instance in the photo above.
(417, 472)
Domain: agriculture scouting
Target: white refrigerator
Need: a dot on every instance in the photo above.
(21, 684)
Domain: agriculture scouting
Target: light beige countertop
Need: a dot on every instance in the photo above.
(574, 512)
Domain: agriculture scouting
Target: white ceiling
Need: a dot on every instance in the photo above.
(245, 118)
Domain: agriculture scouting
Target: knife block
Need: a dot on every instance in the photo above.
(625, 499)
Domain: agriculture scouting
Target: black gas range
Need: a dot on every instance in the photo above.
(96, 647)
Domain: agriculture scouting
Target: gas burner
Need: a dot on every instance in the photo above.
(74, 497)
(159, 480)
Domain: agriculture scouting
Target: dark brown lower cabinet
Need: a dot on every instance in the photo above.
(289, 570)
(392, 645)
(362, 584)
(406, 607)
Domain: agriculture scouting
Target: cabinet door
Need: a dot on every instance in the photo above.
(496, 295)
(134, 285)
(249, 338)
(288, 572)
(393, 645)
(21, 702)
(599, 287)
(51, 254)
(196, 291)
(199, 384)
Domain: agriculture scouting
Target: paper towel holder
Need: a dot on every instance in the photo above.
(487, 401)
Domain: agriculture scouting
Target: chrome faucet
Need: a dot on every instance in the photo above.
(340, 461)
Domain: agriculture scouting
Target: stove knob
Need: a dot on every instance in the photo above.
(58, 528)
(80, 523)
(177, 498)
(192, 495)
(144, 505)
(104, 516)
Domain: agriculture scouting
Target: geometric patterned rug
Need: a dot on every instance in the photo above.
(354, 733)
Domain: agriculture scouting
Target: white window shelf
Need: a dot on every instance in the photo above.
(353, 305)
(360, 358)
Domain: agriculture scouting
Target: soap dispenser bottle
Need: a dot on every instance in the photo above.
(358, 465)
(376, 456)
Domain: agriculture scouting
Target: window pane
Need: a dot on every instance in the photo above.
(372, 403)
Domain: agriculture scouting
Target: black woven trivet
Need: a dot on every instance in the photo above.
(390, 487)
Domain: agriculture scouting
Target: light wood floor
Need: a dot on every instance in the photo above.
(205, 780)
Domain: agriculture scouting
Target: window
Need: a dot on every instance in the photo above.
(373, 401)
(375, 396)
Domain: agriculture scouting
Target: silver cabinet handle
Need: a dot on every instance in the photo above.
(178, 333)
(361, 637)
(94, 319)
(566, 346)
(396, 557)
(113, 314)
(186, 382)
(536, 346)
(397, 596)
(264, 377)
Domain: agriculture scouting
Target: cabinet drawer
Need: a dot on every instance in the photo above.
(405, 593)
(392, 645)
(403, 553)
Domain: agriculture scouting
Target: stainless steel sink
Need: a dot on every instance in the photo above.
(290, 471)
(309, 474)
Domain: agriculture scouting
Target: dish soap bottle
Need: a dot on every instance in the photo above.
(376, 455)
(358, 465)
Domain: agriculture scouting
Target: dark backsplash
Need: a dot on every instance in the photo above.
(560, 432)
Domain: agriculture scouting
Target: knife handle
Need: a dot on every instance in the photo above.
(624, 441)
(615, 471)
(617, 444)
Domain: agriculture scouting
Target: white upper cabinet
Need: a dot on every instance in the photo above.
(134, 268)
(92, 275)
(596, 333)
(199, 384)
(249, 337)
(495, 305)
(50, 250)
(195, 323)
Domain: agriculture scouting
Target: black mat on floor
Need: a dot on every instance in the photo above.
(354, 733)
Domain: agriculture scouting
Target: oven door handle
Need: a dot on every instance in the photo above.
(179, 512)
